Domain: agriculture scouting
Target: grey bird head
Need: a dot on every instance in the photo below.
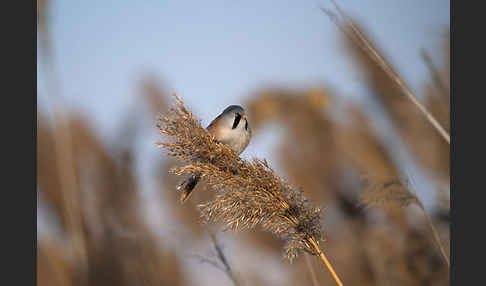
(231, 127)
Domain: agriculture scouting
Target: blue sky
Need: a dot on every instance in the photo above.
(219, 51)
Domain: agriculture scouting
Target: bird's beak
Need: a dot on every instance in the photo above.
(243, 116)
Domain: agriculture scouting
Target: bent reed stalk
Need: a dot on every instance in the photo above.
(248, 193)
(350, 30)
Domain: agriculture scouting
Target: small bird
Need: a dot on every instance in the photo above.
(231, 128)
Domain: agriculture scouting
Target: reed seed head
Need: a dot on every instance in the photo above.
(248, 193)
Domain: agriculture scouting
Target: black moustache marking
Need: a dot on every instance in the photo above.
(237, 121)
(246, 124)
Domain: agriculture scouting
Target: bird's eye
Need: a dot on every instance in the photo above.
(237, 120)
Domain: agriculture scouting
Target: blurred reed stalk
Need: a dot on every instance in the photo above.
(62, 142)
(393, 195)
(222, 258)
(222, 262)
(429, 221)
(248, 193)
(311, 270)
(403, 197)
(439, 83)
(351, 30)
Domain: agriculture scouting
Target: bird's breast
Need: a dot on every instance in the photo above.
(235, 139)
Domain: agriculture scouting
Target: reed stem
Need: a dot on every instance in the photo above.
(429, 221)
(311, 270)
(325, 261)
(363, 43)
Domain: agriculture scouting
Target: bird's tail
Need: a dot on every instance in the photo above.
(187, 186)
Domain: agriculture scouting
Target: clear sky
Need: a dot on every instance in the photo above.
(213, 53)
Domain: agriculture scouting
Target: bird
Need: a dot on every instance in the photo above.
(231, 128)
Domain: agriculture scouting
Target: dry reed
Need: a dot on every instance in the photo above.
(119, 247)
(429, 221)
(222, 262)
(350, 29)
(248, 193)
(399, 194)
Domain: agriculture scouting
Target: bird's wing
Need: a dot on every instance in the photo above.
(214, 130)
(212, 127)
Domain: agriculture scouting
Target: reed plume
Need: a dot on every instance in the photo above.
(248, 193)
(387, 194)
